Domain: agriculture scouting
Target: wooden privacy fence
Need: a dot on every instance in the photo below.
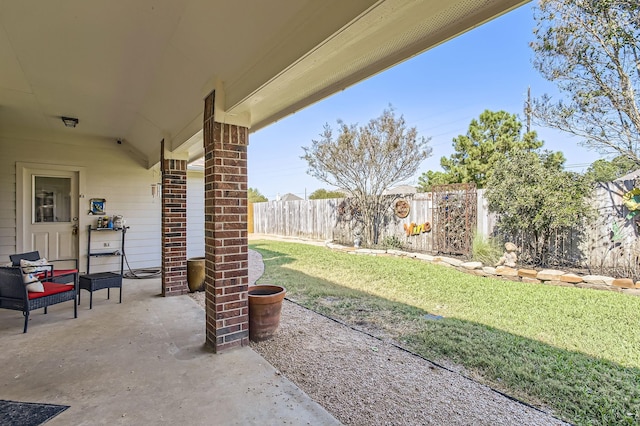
(313, 219)
(332, 219)
(607, 244)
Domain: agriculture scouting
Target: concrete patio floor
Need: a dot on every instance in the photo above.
(142, 362)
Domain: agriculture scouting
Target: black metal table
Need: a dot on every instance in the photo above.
(99, 281)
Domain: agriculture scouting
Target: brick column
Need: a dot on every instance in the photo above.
(174, 227)
(226, 250)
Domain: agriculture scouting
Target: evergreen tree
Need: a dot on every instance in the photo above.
(487, 140)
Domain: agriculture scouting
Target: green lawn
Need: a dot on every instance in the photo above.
(575, 351)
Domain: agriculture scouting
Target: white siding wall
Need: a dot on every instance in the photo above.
(111, 173)
(195, 213)
(7, 206)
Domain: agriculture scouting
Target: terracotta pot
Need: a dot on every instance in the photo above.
(265, 305)
(195, 274)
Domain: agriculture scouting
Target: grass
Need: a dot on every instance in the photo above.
(575, 351)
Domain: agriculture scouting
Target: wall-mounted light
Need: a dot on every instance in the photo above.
(69, 121)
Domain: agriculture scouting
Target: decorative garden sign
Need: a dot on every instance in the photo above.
(413, 229)
(402, 209)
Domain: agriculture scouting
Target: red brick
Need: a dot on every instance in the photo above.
(235, 320)
(228, 314)
(234, 305)
(229, 298)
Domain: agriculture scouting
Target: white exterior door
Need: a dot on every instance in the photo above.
(50, 212)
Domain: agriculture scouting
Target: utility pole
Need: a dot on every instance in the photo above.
(527, 109)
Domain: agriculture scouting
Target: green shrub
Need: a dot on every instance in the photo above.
(392, 242)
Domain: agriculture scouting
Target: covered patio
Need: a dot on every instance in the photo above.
(157, 84)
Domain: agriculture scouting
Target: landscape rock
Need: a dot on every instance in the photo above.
(506, 271)
(530, 280)
(597, 279)
(593, 286)
(571, 278)
(472, 265)
(559, 283)
(489, 270)
(623, 283)
(513, 278)
(424, 257)
(529, 273)
(451, 261)
(550, 275)
(370, 251)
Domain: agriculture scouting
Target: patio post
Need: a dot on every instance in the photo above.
(174, 226)
(226, 244)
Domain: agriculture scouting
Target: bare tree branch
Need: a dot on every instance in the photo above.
(366, 161)
(591, 49)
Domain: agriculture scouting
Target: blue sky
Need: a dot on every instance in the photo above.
(439, 92)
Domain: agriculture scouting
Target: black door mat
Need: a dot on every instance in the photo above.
(13, 413)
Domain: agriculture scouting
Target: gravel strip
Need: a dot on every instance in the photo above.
(363, 381)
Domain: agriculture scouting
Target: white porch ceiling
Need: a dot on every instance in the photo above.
(139, 70)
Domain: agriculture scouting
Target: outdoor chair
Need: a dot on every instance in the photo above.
(14, 294)
(49, 273)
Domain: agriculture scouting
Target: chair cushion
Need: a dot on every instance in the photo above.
(51, 288)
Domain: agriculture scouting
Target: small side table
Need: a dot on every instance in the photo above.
(93, 282)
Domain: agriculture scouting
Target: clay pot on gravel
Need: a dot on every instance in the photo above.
(265, 305)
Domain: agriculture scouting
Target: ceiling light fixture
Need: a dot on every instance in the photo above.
(69, 121)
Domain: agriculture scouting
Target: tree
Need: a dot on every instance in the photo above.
(254, 196)
(430, 178)
(591, 50)
(366, 161)
(486, 141)
(606, 171)
(534, 197)
(322, 194)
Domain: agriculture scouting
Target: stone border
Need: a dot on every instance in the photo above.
(544, 276)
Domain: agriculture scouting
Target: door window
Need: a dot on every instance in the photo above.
(51, 199)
